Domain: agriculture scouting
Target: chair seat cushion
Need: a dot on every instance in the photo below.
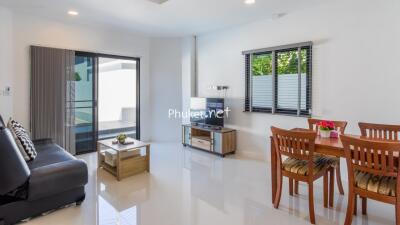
(333, 160)
(379, 184)
(301, 166)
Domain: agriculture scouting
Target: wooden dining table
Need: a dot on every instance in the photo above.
(327, 146)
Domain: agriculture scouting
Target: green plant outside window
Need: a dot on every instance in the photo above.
(286, 63)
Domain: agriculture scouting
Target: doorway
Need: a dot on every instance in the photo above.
(107, 98)
(117, 97)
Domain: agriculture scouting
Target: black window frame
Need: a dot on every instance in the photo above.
(308, 46)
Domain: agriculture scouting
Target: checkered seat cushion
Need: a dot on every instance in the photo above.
(301, 166)
(379, 184)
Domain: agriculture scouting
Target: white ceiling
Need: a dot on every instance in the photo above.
(173, 18)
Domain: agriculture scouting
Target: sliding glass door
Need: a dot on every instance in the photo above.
(85, 103)
(106, 91)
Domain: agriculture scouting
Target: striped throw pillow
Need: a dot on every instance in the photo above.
(24, 142)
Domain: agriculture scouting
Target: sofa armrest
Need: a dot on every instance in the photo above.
(57, 178)
(43, 141)
(13, 169)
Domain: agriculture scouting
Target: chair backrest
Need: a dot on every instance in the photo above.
(380, 131)
(370, 155)
(340, 126)
(294, 144)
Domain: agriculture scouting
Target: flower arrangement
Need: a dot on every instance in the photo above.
(326, 125)
(325, 128)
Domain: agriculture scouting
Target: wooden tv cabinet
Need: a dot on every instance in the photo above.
(218, 141)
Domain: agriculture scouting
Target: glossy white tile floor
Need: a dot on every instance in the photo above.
(189, 187)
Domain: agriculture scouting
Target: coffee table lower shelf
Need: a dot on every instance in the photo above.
(127, 167)
(128, 162)
(108, 168)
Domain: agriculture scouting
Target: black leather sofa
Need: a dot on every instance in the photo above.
(27, 189)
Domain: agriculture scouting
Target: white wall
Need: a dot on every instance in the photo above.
(19, 31)
(188, 73)
(356, 76)
(28, 30)
(166, 76)
(6, 68)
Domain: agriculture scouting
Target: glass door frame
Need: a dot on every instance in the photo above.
(96, 57)
(94, 123)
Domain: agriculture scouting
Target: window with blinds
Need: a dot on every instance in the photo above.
(278, 79)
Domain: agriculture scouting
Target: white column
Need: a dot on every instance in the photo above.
(188, 73)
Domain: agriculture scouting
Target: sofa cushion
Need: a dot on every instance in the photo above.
(54, 171)
(56, 178)
(49, 153)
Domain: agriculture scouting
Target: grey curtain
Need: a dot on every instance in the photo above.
(52, 95)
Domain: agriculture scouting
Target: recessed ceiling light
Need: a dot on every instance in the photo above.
(73, 13)
(249, 2)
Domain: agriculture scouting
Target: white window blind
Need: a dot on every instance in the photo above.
(278, 79)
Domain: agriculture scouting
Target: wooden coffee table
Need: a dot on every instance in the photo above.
(131, 159)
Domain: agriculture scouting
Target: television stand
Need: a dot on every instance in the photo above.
(217, 140)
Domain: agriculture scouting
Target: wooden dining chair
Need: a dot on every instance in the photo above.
(296, 160)
(340, 127)
(373, 172)
(380, 131)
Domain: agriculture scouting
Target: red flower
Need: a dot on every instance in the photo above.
(326, 125)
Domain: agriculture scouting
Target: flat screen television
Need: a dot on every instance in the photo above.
(207, 111)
